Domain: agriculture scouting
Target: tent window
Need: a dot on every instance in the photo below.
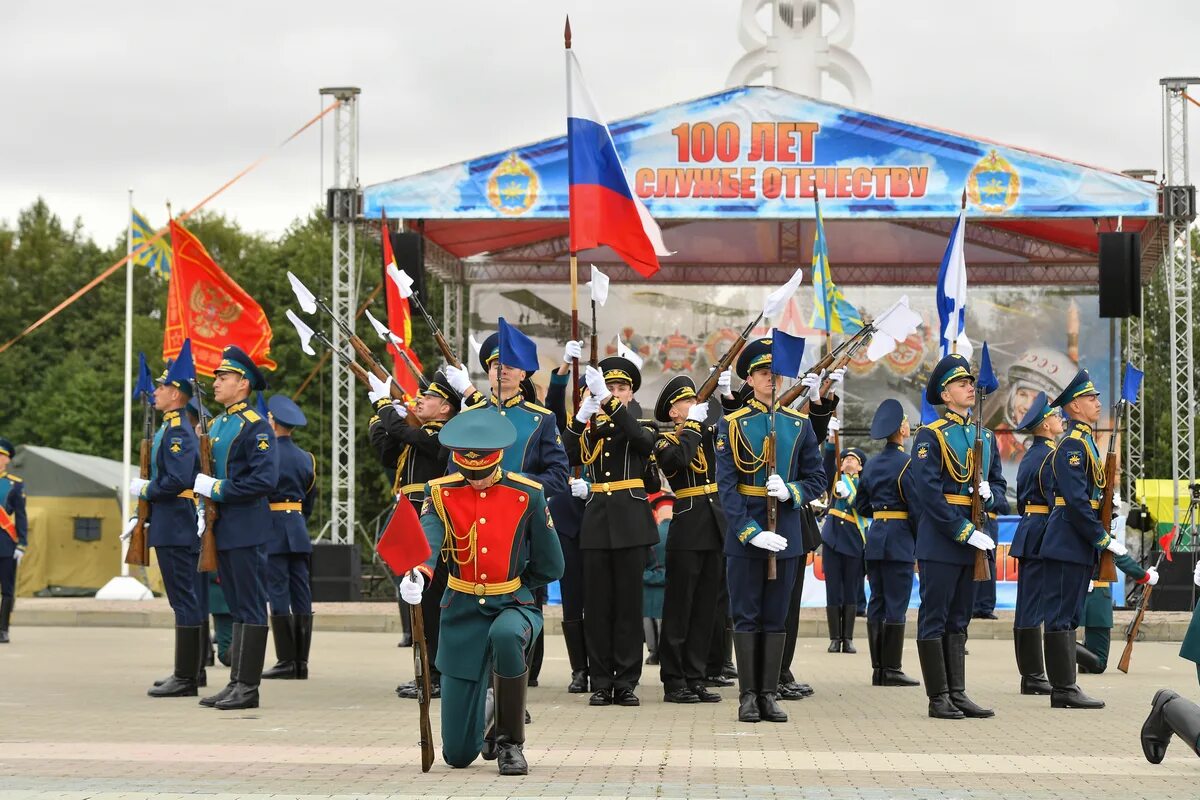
(87, 529)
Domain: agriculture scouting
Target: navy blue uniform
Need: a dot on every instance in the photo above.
(15, 533)
(246, 470)
(843, 539)
(885, 489)
(985, 591)
(174, 463)
(1035, 497)
(538, 452)
(290, 549)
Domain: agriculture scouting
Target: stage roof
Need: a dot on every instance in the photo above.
(731, 177)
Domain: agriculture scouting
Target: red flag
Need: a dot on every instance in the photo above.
(399, 320)
(1166, 540)
(8, 524)
(207, 306)
(403, 544)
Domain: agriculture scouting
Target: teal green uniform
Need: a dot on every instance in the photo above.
(654, 577)
(1097, 619)
(1190, 649)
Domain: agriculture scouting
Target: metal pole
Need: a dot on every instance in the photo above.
(127, 415)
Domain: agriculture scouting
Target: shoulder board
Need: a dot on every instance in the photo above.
(537, 408)
(517, 477)
(14, 478)
(176, 422)
(741, 412)
(671, 437)
(791, 412)
(446, 480)
(938, 423)
(251, 415)
(1075, 434)
(475, 405)
(374, 419)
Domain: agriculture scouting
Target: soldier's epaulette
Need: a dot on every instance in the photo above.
(176, 422)
(671, 437)
(940, 422)
(537, 408)
(14, 478)
(741, 412)
(1075, 434)
(791, 412)
(480, 403)
(374, 419)
(446, 480)
(519, 478)
(251, 415)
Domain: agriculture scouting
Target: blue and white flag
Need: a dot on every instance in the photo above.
(952, 288)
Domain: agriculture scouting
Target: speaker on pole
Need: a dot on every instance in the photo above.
(1120, 275)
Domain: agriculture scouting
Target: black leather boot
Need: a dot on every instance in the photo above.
(303, 629)
(235, 645)
(1088, 662)
(769, 709)
(833, 618)
(874, 632)
(204, 653)
(406, 639)
(931, 653)
(1028, 644)
(749, 671)
(510, 724)
(6, 609)
(956, 677)
(891, 655)
(728, 670)
(1060, 666)
(1170, 714)
(848, 616)
(577, 655)
(283, 631)
(182, 682)
(249, 665)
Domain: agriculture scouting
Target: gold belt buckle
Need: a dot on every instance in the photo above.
(604, 486)
(480, 590)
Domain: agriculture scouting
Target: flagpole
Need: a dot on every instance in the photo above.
(127, 414)
(574, 260)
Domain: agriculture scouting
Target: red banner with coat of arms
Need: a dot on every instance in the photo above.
(206, 305)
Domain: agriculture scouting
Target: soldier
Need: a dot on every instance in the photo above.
(886, 496)
(844, 541)
(1035, 494)
(14, 531)
(617, 525)
(654, 577)
(493, 529)
(944, 471)
(244, 460)
(174, 464)
(687, 456)
(289, 551)
(758, 604)
(415, 457)
(1190, 648)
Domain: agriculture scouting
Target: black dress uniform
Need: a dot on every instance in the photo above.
(695, 540)
(246, 467)
(943, 468)
(14, 530)
(885, 487)
(289, 552)
(1035, 496)
(617, 528)
(415, 456)
(843, 538)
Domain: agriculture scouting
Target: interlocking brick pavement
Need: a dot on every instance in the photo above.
(75, 723)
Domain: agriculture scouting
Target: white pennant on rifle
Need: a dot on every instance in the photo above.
(598, 286)
(625, 352)
(893, 326)
(778, 299)
(402, 280)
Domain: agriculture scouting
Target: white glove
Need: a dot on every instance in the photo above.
(837, 376)
(136, 485)
(129, 526)
(981, 540)
(985, 490)
(595, 383)
(401, 409)
(412, 586)
(587, 409)
(1116, 499)
(18, 554)
(841, 489)
(770, 541)
(572, 351)
(812, 382)
(458, 378)
(200, 522)
(835, 424)
(1196, 574)
(698, 412)
(1116, 548)
(204, 484)
(725, 383)
(777, 488)
(1091, 586)
(379, 389)
(580, 488)
(1152, 574)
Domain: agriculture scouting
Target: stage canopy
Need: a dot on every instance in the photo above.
(732, 176)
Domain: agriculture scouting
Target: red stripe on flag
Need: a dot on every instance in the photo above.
(1166, 540)
(403, 545)
(600, 216)
(399, 320)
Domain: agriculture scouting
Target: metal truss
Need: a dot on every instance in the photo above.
(343, 207)
(1134, 423)
(1001, 240)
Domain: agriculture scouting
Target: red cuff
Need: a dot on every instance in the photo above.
(1144, 579)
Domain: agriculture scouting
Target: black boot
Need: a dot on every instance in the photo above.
(769, 709)
(283, 631)
(1028, 644)
(1088, 662)
(931, 653)
(510, 724)
(235, 646)
(1170, 714)
(749, 671)
(206, 642)
(874, 632)
(577, 655)
(203, 653)
(728, 670)
(6, 609)
(1060, 666)
(891, 655)
(249, 665)
(304, 623)
(650, 634)
(833, 617)
(956, 677)
(848, 615)
(182, 682)
(406, 639)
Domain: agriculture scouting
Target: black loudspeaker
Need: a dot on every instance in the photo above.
(336, 573)
(1120, 275)
(1175, 590)
(410, 258)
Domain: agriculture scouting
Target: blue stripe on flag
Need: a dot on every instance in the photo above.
(593, 159)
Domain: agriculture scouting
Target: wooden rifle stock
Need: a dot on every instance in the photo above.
(772, 503)
(1134, 627)
(983, 570)
(1107, 570)
(208, 541)
(382, 374)
(139, 541)
(421, 674)
(835, 359)
(710, 383)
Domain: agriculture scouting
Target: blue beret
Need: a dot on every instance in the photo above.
(1080, 386)
(888, 418)
(948, 370)
(234, 359)
(286, 412)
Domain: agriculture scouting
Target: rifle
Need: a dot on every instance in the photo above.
(1107, 570)
(138, 554)
(1136, 624)
(208, 506)
(835, 359)
(772, 456)
(421, 674)
(983, 570)
(710, 383)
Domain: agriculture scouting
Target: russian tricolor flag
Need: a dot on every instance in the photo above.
(604, 209)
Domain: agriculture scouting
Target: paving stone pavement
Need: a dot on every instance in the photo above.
(75, 723)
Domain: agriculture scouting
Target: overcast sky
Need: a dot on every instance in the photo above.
(172, 100)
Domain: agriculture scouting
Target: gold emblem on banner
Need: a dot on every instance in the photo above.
(213, 310)
(993, 184)
(512, 188)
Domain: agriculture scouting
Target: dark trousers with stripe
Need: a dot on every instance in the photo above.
(1029, 612)
(891, 589)
(243, 572)
(689, 606)
(843, 577)
(178, 568)
(947, 596)
(1064, 586)
(756, 603)
(288, 585)
(612, 581)
(8, 576)
(571, 582)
